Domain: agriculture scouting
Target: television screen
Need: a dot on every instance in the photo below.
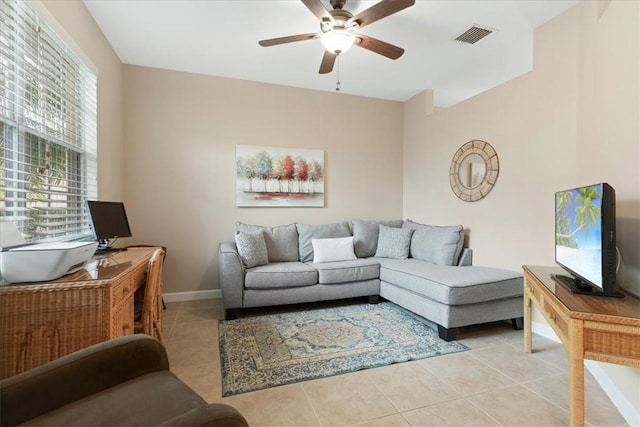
(585, 236)
(108, 220)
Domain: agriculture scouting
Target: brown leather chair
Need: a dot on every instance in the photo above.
(122, 382)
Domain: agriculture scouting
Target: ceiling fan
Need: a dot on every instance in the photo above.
(338, 30)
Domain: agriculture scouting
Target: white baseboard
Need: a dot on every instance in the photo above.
(191, 296)
(611, 389)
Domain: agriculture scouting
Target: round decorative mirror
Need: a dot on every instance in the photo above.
(474, 170)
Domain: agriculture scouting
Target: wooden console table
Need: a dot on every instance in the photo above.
(42, 321)
(590, 327)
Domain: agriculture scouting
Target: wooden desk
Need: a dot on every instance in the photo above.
(590, 327)
(42, 321)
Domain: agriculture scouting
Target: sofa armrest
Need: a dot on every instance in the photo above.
(77, 375)
(466, 257)
(213, 414)
(231, 272)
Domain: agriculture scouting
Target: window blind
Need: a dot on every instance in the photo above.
(48, 153)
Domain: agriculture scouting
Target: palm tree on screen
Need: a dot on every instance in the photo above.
(563, 222)
(587, 213)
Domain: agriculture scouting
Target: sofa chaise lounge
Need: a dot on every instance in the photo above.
(420, 267)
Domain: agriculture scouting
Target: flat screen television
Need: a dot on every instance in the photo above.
(108, 222)
(586, 239)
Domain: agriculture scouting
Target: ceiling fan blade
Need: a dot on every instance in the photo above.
(317, 8)
(381, 10)
(326, 66)
(379, 47)
(287, 39)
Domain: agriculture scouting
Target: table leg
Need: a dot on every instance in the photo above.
(576, 375)
(527, 321)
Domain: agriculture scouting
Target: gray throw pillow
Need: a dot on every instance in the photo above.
(394, 242)
(252, 248)
(282, 240)
(365, 235)
(307, 232)
(437, 244)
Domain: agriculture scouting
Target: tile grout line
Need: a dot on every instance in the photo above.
(485, 412)
(525, 385)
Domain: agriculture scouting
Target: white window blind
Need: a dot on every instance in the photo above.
(48, 156)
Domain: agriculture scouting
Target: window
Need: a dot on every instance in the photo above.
(48, 156)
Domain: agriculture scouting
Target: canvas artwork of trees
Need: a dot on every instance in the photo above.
(270, 176)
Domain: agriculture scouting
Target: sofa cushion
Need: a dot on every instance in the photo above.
(365, 235)
(436, 244)
(335, 249)
(161, 394)
(451, 285)
(347, 271)
(307, 232)
(252, 248)
(280, 275)
(281, 241)
(393, 242)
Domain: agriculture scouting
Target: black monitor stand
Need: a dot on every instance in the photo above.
(106, 249)
(105, 246)
(578, 286)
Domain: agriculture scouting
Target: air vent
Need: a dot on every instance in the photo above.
(473, 35)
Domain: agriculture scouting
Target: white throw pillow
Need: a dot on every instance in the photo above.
(335, 249)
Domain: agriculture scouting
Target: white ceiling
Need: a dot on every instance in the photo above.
(220, 38)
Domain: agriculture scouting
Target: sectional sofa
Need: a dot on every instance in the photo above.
(420, 267)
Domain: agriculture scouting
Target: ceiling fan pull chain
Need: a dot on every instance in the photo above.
(338, 74)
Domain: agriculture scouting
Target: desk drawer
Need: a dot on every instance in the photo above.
(123, 322)
(555, 317)
(140, 275)
(122, 290)
(533, 293)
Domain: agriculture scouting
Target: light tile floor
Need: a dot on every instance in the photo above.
(493, 384)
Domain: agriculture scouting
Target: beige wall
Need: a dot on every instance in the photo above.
(573, 120)
(81, 29)
(609, 119)
(181, 132)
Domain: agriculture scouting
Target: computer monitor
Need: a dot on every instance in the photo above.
(108, 222)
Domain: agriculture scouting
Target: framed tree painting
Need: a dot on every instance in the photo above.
(279, 177)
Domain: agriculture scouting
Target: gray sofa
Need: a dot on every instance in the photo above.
(420, 267)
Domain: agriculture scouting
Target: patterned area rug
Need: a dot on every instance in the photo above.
(277, 349)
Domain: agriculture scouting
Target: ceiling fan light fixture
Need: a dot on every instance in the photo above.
(338, 41)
